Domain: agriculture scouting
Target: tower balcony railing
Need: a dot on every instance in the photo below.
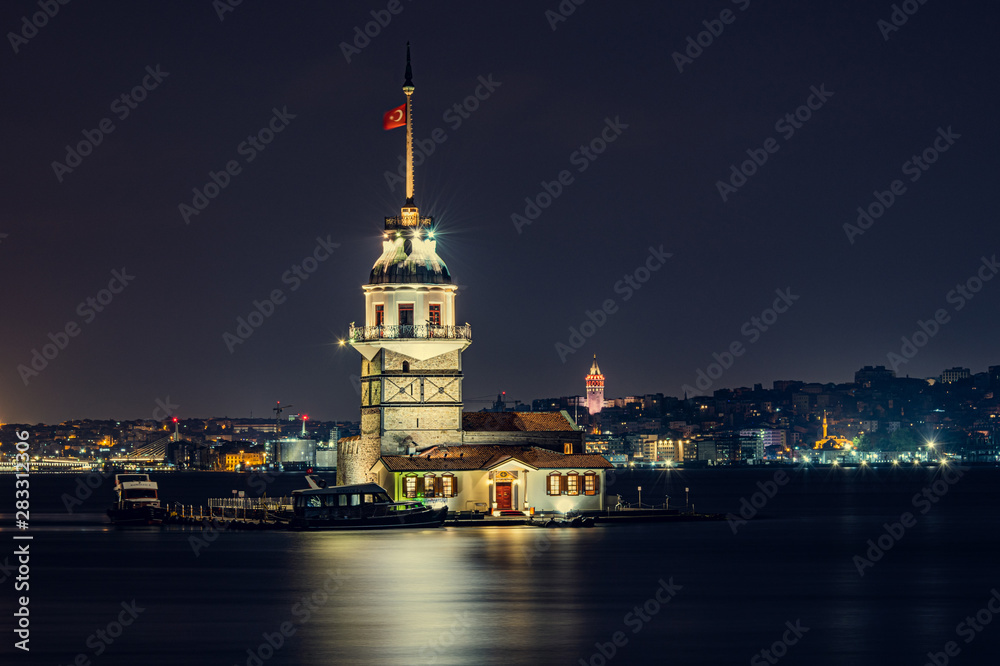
(406, 331)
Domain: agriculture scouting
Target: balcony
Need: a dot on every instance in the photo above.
(405, 332)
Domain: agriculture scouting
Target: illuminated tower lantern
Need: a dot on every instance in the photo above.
(411, 371)
(595, 388)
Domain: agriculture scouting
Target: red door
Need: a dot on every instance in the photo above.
(503, 496)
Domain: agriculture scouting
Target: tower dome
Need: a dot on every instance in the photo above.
(409, 259)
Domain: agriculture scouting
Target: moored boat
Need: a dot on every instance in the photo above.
(138, 501)
(358, 507)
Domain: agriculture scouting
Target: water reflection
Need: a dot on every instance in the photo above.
(455, 596)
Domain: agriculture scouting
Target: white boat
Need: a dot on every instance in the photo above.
(138, 501)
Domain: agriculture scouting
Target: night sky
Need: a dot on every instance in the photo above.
(550, 92)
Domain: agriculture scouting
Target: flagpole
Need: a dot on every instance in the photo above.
(408, 90)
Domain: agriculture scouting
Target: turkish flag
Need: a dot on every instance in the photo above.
(394, 118)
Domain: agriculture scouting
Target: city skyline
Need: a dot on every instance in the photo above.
(660, 210)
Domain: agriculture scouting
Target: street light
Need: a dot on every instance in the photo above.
(640, 497)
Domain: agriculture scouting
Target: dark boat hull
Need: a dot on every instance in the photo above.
(136, 515)
(419, 519)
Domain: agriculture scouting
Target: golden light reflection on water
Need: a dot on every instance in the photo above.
(457, 595)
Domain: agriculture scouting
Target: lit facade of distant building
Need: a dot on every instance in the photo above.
(955, 374)
(233, 461)
(830, 442)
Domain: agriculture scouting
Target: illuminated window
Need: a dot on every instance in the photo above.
(447, 485)
(555, 484)
(379, 315)
(435, 314)
(429, 485)
(589, 483)
(313, 500)
(573, 484)
(410, 486)
(567, 448)
(355, 499)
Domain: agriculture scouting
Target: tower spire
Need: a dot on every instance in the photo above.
(408, 90)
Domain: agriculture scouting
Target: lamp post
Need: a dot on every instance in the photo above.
(640, 497)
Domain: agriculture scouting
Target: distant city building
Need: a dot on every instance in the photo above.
(831, 442)
(297, 452)
(868, 374)
(595, 388)
(244, 458)
(955, 374)
(326, 457)
(752, 446)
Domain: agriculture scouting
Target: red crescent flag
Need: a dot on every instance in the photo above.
(394, 118)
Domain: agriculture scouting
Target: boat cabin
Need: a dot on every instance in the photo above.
(343, 502)
(136, 489)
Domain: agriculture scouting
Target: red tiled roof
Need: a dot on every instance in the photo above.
(516, 421)
(485, 456)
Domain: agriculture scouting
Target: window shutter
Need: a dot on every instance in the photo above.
(562, 485)
(597, 484)
(438, 487)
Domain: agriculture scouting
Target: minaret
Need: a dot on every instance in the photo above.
(595, 388)
(824, 424)
(411, 370)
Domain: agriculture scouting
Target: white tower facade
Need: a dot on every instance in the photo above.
(411, 346)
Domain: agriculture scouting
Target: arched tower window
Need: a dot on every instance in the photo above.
(406, 366)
